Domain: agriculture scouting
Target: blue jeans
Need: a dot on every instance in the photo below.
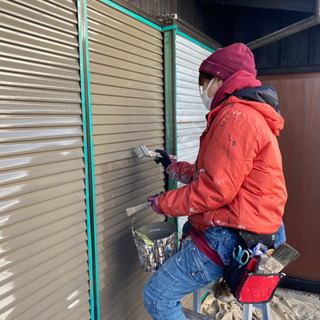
(187, 271)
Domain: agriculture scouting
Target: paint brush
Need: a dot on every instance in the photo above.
(280, 258)
(142, 151)
(133, 210)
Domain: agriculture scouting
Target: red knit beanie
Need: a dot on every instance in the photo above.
(226, 61)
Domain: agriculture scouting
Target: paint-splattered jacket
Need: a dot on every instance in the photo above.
(237, 180)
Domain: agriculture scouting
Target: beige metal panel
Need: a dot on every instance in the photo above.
(16, 121)
(108, 148)
(125, 82)
(24, 161)
(43, 243)
(33, 279)
(39, 171)
(35, 222)
(116, 173)
(127, 64)
(66, 284)
(132, 311)
(121, 187)
(27, 67)
(67, 4)
(17, 189)
(73, 313)
(108, 168)
(136, 136)
(38, 95)
(19, 304)
(20, 148)
(39, 31)
(126, 47)
(41, 195)
(51, 10)
(126, 75)
(27, 134)
(111, 119)
(126, 54)
(129, 93)
(129, 128)
(34, 15)
(112, 32)
(118, 17)
(43, 209)
(17, 107)
(23, 80)
(33, 42)
(38, 253)
(101, 109)
(117, 206)
(17, 52)
(125, 101)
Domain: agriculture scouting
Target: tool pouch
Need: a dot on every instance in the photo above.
(250, 287)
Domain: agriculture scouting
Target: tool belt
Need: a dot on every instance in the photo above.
(248, 240)
(246, 285)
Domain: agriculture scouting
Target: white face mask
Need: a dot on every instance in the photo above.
(204, 96)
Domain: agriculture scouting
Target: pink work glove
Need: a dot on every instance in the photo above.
(154, 206)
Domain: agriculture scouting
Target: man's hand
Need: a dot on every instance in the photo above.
(166, 159)
(154, 205)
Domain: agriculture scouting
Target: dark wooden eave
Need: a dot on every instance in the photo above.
(290, 5)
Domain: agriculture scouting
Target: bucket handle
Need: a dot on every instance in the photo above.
(133, 233)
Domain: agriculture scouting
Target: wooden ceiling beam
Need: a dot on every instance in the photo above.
(290, 5)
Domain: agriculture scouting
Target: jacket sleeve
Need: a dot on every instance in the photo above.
(181, 171)
(227, 160)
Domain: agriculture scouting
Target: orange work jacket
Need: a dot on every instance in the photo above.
(237, 180)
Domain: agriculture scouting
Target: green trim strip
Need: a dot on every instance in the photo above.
(174, 26)
(132, 14)
(194, 41)
(169, 117)
(93, 193)
(79, 7)
(169, 102)
(175, 89)
(175, 105)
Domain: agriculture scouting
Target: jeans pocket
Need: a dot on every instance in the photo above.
(196, 266)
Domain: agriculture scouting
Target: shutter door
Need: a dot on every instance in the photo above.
(44, 262)
(126, 82)
(191, 112)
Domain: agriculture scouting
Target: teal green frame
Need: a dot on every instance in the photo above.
(193, 40)
(87, 130)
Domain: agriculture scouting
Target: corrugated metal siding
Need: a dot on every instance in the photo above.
(126, 81)
(44, 262)
(190, 111)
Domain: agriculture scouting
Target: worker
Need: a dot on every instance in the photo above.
(237, 182)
